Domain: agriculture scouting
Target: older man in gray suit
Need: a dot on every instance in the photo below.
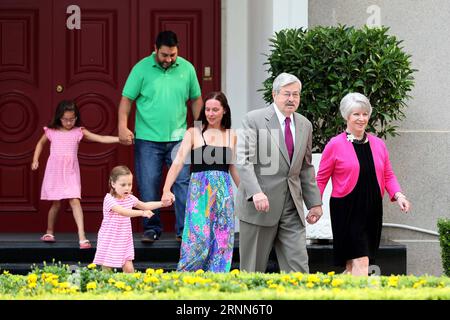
(274, 164)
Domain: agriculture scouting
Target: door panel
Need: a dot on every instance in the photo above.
(25, 38)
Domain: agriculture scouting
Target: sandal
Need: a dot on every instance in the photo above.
(85, 244)
(48, 238)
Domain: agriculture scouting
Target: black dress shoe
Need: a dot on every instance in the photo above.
(178, 238)
(149, 237)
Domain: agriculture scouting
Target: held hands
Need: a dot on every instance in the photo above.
(167, 199)
(261, 202)
(126, 137)
(147, 213)
(35, 165)
(314, 214)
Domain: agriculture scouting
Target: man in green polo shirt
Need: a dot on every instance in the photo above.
(161, 84)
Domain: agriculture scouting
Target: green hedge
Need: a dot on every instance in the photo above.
(59, 282)
(444, 239)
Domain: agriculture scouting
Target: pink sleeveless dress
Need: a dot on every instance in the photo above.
(62, 173)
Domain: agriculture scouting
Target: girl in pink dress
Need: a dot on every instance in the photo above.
(62, 173)
(115, 247)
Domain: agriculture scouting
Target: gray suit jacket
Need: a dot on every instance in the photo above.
(264, 166)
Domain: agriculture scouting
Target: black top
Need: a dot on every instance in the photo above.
(209, 157)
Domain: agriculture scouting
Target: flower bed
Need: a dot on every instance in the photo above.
(60, 282)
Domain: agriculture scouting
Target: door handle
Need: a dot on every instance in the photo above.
(59, 88)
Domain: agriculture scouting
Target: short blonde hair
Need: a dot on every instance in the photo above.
(354, 100)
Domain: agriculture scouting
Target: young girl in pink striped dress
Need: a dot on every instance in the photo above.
(115, 248)
(62, 173)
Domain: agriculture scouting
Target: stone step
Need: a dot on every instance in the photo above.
(18, 254)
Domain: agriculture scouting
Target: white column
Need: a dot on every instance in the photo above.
(235, 58)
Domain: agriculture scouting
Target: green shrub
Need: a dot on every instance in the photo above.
(444, 239)
(332, 61)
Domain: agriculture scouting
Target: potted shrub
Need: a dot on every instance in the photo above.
(333, 61)
(444, 240)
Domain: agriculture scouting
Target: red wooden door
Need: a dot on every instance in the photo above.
(90, 64)
(25, 74)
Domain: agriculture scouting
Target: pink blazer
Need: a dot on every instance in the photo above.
(339, 161)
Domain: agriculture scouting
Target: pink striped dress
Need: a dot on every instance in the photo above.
(115, 237)
(62, 173)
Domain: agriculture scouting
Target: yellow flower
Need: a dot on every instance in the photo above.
(92, 266)
(120, 285)
(137, 275)
(310, 285)
(152, 279)
(199, 271)
(326, 281)
(331, 273)
(393, 281)
(91, 285)
(32, 278)
(6, 272)
(313, 278)
(32, 285)
(298, 276)
(175, 276)
(150, 271)
(159, 271)
(128, 288)
(337, 282)
(111, 280)
(285, 278)
(235, 272)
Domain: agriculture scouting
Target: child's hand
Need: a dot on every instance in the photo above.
(167, 198)
(147, 213)
(35, 165)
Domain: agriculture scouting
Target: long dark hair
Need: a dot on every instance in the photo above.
(226, 119)
(63, 106)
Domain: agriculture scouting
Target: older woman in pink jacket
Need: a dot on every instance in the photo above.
(360, 170)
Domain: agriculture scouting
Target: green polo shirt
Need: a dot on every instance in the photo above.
(161, 97)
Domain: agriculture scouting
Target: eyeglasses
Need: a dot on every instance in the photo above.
(72, 120)
(287, 94)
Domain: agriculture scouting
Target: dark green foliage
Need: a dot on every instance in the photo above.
(333, 61)
(444, 239)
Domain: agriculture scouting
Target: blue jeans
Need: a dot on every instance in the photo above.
(148, 160)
